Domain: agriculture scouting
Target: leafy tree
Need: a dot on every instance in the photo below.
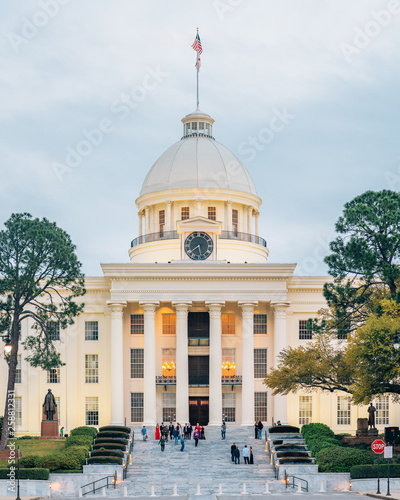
(40, 276)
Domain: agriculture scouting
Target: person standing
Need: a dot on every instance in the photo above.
(237, 455)
(190, 430)
(144, 433)
(233, 448)
(165, 433)
(246, 454)
(157, 437)
(202, 433)
(260, 428)
(162, 443)
(255, 430)
(62, 432)
(223, 430)
(251, 455)
(196, 435)
(176, 434)
(182, 442)
(171, 430)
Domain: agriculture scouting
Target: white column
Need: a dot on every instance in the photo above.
(198, 201)
(168, 221)
(147, 219)
(249, 219)
(182, 362)
(247, 362)
(215, 391)
(256, 223)
(140, 214)
(280, 401)
(117, 363)
(149, 411)
(229, 215)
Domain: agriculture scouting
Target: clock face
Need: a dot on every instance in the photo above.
(198, 245)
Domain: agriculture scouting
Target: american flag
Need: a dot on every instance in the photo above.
(199, 49)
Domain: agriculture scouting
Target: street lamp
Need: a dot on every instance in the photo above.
(8, 346)
(396, 340)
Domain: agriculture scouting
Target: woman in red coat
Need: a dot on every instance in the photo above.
(157, 433)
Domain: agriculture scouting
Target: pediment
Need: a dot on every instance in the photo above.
(199, 223)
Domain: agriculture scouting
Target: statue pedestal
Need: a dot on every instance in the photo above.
(362, 427)
(372, 432)
(49, 429)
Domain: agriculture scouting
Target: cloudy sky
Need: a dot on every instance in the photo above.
(331, 68)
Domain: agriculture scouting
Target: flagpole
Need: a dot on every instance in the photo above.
(198, 68)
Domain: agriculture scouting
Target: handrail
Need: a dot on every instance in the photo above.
(93, 490)
(293, 485)
(174, 235)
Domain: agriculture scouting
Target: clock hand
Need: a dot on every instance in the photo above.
(195, 248)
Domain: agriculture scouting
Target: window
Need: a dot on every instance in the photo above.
(260, 363)
(136, 406)
(228, 362)
(229, 406)
(53, 376)
(137, 324)
(260, 324)
(342, 334)
(169, 324)
(161, 221)
(53, 329)
(184, 213)
(201, 128)
(235, 221)
(305, 409)
(382, 410)
(228, 324)
(92, 410)
(91, 368)
(91, 330)
(304, 334)
(137, 363)
(194, 127)
(168, 362)
(57, 398)
(212, 213)
(260, 406)
(168, 406)
(18, 410)
(343, 410)
(18, 371)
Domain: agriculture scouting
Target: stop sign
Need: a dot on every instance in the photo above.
(378, 446)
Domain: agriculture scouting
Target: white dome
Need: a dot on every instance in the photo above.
(198, 162)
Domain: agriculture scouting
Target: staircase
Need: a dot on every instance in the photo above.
(208, 465)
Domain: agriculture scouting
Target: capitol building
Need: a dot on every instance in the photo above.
(188, 327)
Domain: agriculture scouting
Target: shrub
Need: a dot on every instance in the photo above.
(277, 441)
(338, 459)
(283, 429)
(51, 461)
(316, 429)
(28, 461)
(118, 428)
(85, 431)
(366, 471)
(79, 440)
(107, 453)
(26, 474)
(105, 460)
(73, 457)
(107, 441)
(294, 460)
(109, 446)
(112, 434)
(315, 445)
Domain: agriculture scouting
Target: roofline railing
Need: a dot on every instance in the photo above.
(174, 235)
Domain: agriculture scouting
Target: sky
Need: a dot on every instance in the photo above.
(328, 70)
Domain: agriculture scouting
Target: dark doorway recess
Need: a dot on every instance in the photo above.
(198, 325)
(199, 370)
(198, 410)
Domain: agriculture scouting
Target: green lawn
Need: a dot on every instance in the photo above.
(37, 447)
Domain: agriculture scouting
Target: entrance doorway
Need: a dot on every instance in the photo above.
(198, 410)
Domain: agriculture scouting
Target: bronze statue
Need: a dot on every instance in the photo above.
(49, 405)
(371, 416)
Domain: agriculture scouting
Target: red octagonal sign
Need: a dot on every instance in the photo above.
(378, 446)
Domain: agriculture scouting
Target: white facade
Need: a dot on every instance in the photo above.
(188, 327)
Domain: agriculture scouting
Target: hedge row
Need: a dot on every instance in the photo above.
(112, 434)
(318, 437)
(118, 428)
(79, 440)
(71, 458)
(280, 429)
(281, 454)
(294, 460)
(84, 431)
(366, 471)
(109, 446)
(107, 453)
(105, 460)
(26, 474)
(107, 441)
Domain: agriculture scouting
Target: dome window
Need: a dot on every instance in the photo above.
(184, 213)
(201, 128)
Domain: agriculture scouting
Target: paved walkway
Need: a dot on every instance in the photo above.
(208, 465)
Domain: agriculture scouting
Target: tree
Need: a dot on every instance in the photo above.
(40, 276)
(364, 264)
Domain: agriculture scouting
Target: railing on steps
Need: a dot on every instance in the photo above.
(107, 482)
(290, 481)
